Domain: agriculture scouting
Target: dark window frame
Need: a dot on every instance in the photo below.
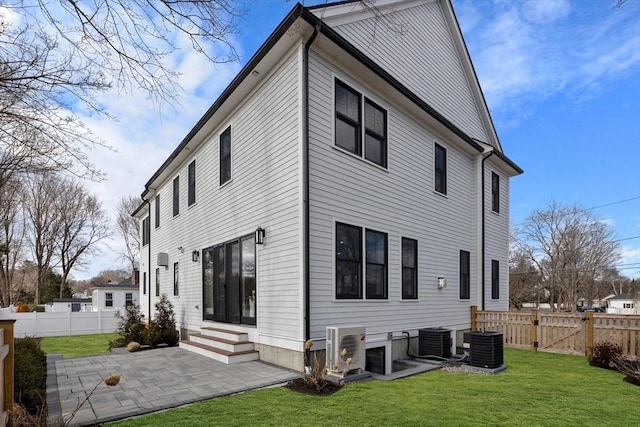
(157, 211)
(225, 159)
(144, 283)
(108, 299)
(157, 282)
(465, 274)
(363, 131)
(385, 266)
(349, 260)
(440, 169)
(411, 293)
(495, 279)
(176, 196)
(128, 299)
(191, 190)
(176, 274)
(495, 192)
(146, 231)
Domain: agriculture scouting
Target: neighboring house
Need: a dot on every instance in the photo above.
(349, 175)
(624, 304)
(115, 296)
(69, 304)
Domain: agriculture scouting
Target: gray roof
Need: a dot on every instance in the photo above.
(125, 284)
(629, 296)
(86, 300)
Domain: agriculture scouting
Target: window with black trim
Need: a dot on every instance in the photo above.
(108, 299)
(191, 196)
(376, 244)
(128, 299)
(350, 126)
(409, 268)
(495, 192)
(440, 169)
(176, 195)
(176, 289)
(348, 262)
(157, 210)
(157, 282)
(146, 231)
(225, 156)
(495, 279)
(465, 275)
(350, 267)
(144, 283)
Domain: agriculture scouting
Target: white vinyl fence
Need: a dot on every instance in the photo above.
(54, 324)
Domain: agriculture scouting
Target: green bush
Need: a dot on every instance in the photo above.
(131, 327)
(30, 374)
(604, 353)
(162, 330)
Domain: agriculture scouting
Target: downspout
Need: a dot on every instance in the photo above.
(305, 175)
(149, 260)
(482, 198)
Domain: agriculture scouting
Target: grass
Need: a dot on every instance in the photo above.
(77, 345)
(537, 389)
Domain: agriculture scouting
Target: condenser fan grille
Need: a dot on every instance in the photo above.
(350, 344)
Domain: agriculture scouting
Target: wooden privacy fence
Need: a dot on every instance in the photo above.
(569, 333)
(6, 369)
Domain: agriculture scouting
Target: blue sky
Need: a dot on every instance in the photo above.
(561, 79)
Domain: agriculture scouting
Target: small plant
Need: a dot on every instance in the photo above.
(315, 376)
(162, 330)
(22, 308)
(111, 381)
(131, 327)
(604, 353)
(30, 374)
(133, 346)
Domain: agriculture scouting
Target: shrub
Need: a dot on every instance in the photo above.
(131, 327)
(22, 308)
(30, 374)
(629, 367)
(162, 330)
(604, 353)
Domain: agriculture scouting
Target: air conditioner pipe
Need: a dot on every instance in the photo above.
(453, 358)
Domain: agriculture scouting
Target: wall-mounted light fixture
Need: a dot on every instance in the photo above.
(260, 236)
(181, 249)
(442, 282)
(195, 256)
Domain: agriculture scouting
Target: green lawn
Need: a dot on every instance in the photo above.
(77, 345)
(537, 389)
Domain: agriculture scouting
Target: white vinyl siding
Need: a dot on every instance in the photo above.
(399, 201)
(263, 192)
(422, 57)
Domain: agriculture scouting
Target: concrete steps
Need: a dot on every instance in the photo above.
(224, 345)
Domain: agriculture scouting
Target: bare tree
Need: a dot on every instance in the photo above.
(83, 223)
(127, 227)
(524, 280)
(44, 220)
(12, 233)
(570, 248)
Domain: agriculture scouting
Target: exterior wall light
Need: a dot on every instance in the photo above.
(195, 256)
(260, 236)
(442, 282)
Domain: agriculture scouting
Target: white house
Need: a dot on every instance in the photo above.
(69, 304)
(349, 175)
(115, 296)
(624, 304)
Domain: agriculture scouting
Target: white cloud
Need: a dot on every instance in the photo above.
(630, 261)
(526, 52)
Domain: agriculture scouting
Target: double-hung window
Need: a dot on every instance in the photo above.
(495, 192)
(108, 299)
(409, 268)
(351, 267)
(465, 275)
(225, 156)
(146, 231)
(352, 131)
(440, 169)
(495, 279)
(157, 282)
(128, 299)
(191, 194)
(176, 196)
(157, 210)
(176, 289)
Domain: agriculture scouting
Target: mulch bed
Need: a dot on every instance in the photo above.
(298, 385)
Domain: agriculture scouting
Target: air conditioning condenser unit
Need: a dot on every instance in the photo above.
(346, 350)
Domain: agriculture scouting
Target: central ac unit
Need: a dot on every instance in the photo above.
(346, 349)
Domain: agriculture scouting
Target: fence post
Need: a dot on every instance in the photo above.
(589, 335)
(474, 313)
(534, 330)
(7, 364)
(69, 323)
